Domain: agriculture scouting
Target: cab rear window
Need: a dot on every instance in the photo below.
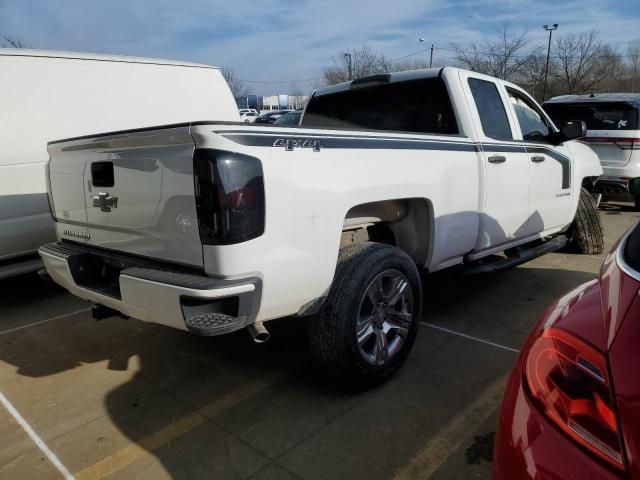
(601, 116)
(420, 106)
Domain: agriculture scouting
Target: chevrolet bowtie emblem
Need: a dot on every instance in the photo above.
(105, 201)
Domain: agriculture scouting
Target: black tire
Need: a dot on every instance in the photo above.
(333, 335)
(637, 199)
(586, 234)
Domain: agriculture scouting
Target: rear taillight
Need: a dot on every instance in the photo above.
(570, 383)
(229, 196)
(625, 143)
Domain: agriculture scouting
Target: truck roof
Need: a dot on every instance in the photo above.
(27, 52)
(382, 78)
(632, 98)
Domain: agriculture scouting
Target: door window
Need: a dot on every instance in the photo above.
(533, 124)
(493, 116)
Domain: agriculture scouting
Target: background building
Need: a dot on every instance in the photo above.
(272, 102)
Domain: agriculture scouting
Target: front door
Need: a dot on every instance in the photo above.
(550, 167)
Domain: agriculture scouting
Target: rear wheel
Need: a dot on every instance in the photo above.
(369, 321)
(586, 234)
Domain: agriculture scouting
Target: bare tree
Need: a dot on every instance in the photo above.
(13, 42)
(237, 86)
(413, 64)
(532, 74)
(502, 56)
(633, 56)
(583, 61)
(364, 62)
(609, 70)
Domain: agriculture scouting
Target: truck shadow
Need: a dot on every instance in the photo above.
(223, 407)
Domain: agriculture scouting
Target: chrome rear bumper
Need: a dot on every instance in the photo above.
(152, 292)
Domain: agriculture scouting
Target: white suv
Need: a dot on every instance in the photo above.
(613, 131)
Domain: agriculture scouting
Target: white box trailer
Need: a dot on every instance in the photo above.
(46, 95)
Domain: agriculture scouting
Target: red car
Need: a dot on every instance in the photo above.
(571, 409)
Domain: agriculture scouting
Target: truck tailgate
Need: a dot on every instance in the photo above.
(130, 192)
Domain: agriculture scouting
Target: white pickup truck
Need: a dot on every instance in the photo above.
(214, 226)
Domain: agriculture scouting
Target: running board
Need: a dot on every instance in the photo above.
(496, 263)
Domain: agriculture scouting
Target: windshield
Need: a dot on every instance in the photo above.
(600, 116)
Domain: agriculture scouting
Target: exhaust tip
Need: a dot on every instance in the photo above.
(258, 332)
(262, 337)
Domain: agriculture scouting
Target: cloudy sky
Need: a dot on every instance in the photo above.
(290, 40)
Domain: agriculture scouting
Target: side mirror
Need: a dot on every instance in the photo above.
(569, 130)
(573, 129)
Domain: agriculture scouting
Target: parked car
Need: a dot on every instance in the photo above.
(572, 405)
(290, 119)
(331, 220)
(249, 117)
(271, 117)
(242, 111)
(613, 131)
(47, 95)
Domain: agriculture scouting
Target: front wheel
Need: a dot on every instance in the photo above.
(369, 321)
(585, 233)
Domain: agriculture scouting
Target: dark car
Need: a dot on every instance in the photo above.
(290, 119)
(572, 404)
(271, 117)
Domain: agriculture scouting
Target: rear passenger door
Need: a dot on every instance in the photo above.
(550, 166)
(505, 215)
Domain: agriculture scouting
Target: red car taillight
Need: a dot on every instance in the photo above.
(569, 380)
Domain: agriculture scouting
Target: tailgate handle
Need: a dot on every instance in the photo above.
(497, 159)
(105, 201)
(102, 174)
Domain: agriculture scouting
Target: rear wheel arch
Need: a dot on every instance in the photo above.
(407, 223)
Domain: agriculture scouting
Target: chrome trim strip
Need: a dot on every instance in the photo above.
(620, 261)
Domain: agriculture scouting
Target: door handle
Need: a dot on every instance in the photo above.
(537, 159)
(497, 159)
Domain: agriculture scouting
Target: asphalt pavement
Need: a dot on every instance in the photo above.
(124, 399)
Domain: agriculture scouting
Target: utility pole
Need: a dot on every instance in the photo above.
(431, 54)
(348, 57)
(546, 70)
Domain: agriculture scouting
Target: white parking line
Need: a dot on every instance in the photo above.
(469, 337)
(57, 317)
(36, 439)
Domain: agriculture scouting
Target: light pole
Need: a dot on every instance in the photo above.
(348, 57)
(431, 55)
(546, 69)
